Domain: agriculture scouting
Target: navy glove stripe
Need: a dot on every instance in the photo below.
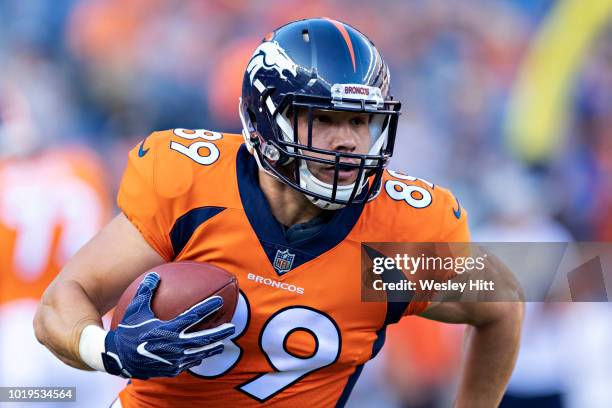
(215, 302)
(221, 330)
(131, 326)
(210, 347)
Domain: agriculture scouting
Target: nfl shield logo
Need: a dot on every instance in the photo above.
(283, 261)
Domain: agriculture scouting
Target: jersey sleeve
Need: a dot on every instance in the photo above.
(150, 190)
(454, 228)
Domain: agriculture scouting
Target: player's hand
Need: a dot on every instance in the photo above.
(142, 346)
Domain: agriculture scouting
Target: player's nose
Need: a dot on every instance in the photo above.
(344, 138)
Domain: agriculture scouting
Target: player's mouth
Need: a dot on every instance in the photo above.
(345, 176)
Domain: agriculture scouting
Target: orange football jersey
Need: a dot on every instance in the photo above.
(302, 331)
(50, 205)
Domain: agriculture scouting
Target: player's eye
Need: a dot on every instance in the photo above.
(359, 120)
(321, 118)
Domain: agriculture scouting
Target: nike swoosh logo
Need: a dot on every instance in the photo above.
(141, 150)
(144, 352)
(457, 212)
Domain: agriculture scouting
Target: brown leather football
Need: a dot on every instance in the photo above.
(182, 285)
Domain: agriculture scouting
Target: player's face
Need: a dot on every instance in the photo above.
(345, 132)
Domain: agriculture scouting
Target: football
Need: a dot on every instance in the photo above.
(182, 285)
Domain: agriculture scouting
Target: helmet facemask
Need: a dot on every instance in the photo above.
(287, 156)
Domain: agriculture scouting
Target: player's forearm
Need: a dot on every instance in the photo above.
(64, 311)
(491, 349)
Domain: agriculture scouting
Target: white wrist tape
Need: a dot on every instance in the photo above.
(91, 346)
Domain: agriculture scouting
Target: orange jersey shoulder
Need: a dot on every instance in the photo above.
(173, 171)
(409, 209)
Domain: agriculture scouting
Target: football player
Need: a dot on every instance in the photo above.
(284, 207)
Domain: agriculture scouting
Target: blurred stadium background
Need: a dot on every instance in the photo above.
(506, 102)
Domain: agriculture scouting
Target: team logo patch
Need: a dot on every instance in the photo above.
(283, 261)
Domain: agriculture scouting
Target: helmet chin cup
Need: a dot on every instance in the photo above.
(309, 182)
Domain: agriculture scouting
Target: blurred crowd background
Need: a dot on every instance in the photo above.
(506, 102)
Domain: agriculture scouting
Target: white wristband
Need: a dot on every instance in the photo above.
(91, 346)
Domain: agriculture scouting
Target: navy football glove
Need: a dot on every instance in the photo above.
(142, 346)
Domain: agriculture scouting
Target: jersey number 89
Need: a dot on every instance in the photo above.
(193, 151)
(415, 196)
(288, 368)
